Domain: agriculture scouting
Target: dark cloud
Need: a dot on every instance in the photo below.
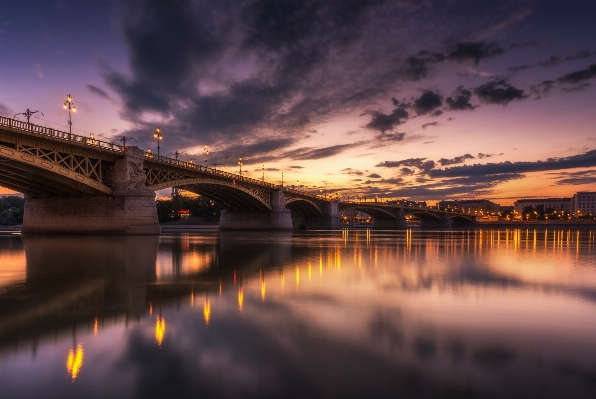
(389, 137)
(420, 163)
(296, 167)
(428, 102)
(319, 153)
(374, 176)
(226, 69)
(384, 122)
(417, 66)
(482, 155)
(424, 126)
(552, 61)
(579, 87)
(475, 186)
(456, 160)
(350, 171)
(98, 91)
(460, 100)
(498, 92)
(543, 88)
(4, 110)
(474, 51)
(415, 162)
(406, 171)
(578, 76)
(577, 178)
(587, 159)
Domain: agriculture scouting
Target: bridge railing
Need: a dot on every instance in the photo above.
(58, 134)
(204, 169)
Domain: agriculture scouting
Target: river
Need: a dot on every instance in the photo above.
(507, 313)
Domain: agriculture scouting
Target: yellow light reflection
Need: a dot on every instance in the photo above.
(74, 361)
(150, 309)
(207, 311)
(297, 276)
(309, 271)
(282, 280)
(160, 330)
(240, 298)
(263, 290)
(95, 326)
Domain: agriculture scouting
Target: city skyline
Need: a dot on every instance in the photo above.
(388, 99)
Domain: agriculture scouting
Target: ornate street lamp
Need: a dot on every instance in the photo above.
(206, 153)
(240, 165)
(159, 137)
(69, 105)
(282, 179)
(263, 170)
(28, 114)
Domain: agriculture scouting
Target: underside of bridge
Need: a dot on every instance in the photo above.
(308, 214)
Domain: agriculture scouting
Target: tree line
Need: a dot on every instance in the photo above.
(182, 206)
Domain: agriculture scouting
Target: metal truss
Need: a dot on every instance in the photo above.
(88, 167)
(155, 177)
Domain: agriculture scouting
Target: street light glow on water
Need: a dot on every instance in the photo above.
(482, 313)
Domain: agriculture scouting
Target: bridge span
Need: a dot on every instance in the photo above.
(77, 184)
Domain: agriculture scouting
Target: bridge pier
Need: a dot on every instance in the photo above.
(129, 210)
(279, 218)
(444, 223)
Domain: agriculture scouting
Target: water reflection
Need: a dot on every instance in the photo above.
(474, 313)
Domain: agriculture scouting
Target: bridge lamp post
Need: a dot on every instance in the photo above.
(240, 165)
(159, 137)
(69, 105)
(282, 179)
(206, 153)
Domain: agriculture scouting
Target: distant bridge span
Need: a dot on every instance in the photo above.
(77, 184)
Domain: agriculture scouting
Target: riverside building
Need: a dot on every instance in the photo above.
(583, 204)
(561, 205)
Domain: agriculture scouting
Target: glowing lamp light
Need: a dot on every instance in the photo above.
(74, 109)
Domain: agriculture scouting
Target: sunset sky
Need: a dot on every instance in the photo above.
(426, 100)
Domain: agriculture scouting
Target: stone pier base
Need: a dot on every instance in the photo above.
(395, 224)
(129, 213)
(280, 219)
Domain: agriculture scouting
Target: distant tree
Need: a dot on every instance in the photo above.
(539, 212)
(528, 213)
(11, 210)
(168, 210)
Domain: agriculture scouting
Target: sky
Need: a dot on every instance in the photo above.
(426, 100)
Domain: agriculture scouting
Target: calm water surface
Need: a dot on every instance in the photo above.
(344, 314)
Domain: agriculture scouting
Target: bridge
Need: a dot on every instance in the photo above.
(77, 184)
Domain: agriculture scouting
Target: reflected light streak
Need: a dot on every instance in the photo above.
(240, 298)
(282, 280)
(74, 361)
(263, 290)
(160, 330)
(95, 326)
(207, 311)
(297, 276)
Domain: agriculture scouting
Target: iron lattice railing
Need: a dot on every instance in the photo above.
(58, 134)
